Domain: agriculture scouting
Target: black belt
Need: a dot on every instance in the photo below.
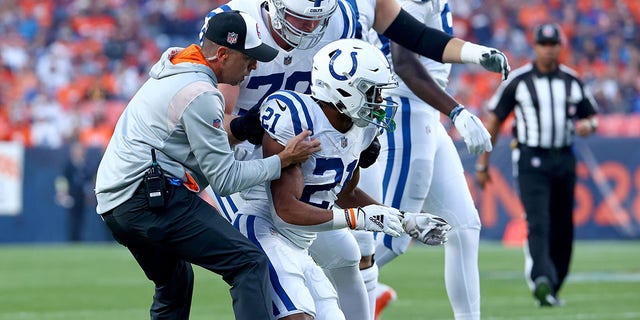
(544, 150)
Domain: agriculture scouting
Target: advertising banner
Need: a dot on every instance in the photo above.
(11, 160)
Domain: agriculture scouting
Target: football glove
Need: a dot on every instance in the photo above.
(475, 135)
(489, 58)
(373, 217)
(426, 228)
(248, 127)
(369, 156)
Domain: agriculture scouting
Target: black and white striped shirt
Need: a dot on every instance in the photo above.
(545, 105)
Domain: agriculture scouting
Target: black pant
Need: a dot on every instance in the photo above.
(546, 179)
(188, 230)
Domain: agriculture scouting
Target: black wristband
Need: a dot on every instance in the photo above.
(410, 33)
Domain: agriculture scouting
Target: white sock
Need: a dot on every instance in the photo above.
(461, 273)
(370, 277)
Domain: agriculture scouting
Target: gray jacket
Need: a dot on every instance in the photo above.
(179, 112)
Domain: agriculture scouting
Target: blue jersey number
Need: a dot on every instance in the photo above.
(275, 81)
(322, 166)
(266, 119)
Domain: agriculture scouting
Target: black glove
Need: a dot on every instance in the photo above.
(370, 154)
(248, 127)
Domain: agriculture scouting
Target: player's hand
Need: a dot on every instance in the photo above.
(248, 127)
(475, 135)
(426, 228)
(375, 218)
(496, 61)
(369, 156)
(489, 58)
(298, 149)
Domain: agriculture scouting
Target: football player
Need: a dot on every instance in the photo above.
(345, 112)
(420, 167)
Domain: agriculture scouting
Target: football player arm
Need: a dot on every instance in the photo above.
(293, 213)
(286, 193)
(399, 26)
(408, 67)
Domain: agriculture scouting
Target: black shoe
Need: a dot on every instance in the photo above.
(543, 292)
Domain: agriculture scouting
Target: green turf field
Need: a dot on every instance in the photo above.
(103, 282)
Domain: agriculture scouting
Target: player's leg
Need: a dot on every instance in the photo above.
(323, 292)
(292, 296)
(367, 266)
(370, 183)
(407, 160)
(338, 254)
(450, 198)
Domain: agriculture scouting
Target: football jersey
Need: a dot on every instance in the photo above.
(286, 114)
(290, 70)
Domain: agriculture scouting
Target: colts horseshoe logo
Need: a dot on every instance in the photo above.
(353, 68)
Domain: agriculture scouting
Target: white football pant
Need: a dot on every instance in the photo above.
(422, 172)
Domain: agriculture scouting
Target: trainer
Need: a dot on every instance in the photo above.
(169, 144)
(550, 105)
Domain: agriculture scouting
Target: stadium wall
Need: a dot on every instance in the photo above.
(607, 194)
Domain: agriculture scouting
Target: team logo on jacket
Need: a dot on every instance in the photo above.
(287, 60)
(232, 37)
(217, 123)
(344, 142)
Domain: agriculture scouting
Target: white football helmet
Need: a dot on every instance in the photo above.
(306, 12)
(350, 74)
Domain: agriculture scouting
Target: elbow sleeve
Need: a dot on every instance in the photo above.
(429, 42)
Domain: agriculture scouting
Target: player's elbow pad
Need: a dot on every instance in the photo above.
(248, 127)
(369, 155)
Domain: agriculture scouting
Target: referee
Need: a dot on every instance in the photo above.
(550, 105)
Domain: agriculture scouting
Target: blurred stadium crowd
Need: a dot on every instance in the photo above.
(68, 67)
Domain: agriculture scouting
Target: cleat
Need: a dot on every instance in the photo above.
(542, 292)
(385, 296)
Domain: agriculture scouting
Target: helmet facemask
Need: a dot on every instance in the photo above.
(371, 109)
(303, 12)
